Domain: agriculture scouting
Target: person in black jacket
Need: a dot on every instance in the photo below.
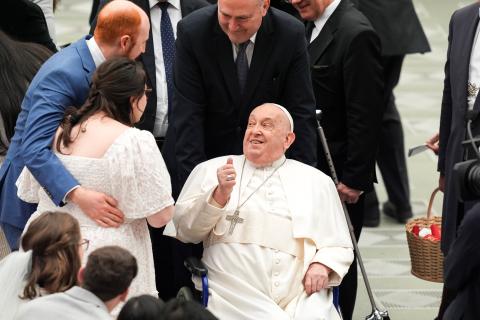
(462, 267)
(400, 33)
(347, 80)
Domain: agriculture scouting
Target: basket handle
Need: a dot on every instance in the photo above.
(430, 203)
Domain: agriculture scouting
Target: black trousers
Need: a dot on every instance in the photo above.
(168, 257)
(348, 287)
(391, 153)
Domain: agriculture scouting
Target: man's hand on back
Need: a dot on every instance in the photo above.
(100, 207)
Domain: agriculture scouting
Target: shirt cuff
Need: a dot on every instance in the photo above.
(64, 201)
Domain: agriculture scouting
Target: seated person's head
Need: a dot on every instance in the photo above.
(118, 90)
(56, 244)
(122, 29)
(109, 273)
(176, 309)
(144, 307)
(269, 134)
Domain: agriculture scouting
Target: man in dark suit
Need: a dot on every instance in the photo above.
(460, 93)
(461, 269)
(157, 61)
(348, 84)
(230, 58)
(400, 33)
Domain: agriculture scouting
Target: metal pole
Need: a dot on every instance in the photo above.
(376, 314)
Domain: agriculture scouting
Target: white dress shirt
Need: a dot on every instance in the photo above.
(97, 55)
(320, 22)
(474, 71)
(175, 13)
(248, 50)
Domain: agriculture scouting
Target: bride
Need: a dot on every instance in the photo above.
(99, 146)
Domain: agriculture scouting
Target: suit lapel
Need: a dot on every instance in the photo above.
(261, 53)
(224, 53)
(86, 57)
(318, 46)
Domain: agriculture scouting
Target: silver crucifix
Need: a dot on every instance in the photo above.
(234, 219)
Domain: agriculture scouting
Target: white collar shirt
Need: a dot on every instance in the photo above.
(322, 20)
(175, 13)
(474, 71)
(248, 50)
(97, 55)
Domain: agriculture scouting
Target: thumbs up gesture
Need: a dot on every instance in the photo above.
(226, 176)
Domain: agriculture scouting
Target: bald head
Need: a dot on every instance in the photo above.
(122, 23)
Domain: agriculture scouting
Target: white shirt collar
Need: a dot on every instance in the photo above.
(275, 164)
(173, 3)
(320, 21)
(95, 51)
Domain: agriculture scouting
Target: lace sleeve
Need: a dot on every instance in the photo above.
(142, 183)
(27, 187)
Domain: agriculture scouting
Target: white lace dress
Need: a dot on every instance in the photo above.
(132, 171)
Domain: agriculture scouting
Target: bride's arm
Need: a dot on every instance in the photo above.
(162, 217)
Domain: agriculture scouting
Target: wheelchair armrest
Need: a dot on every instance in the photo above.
(195, 266)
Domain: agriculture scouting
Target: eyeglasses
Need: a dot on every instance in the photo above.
(85, 243)
(147, 91)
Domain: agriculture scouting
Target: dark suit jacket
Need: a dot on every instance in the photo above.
(209, 114)
(24, 20)
(462, 266)
(396, 24)
(148, 58)
(463, 26)
(348, 85)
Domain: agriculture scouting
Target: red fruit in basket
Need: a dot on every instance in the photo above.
(436, 231)
(431, 237)
(415, 230)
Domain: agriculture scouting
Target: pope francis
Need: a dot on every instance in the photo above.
(274, 234)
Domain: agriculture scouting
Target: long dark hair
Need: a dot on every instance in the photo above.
(54, 238)
(114, 83)
(19, 62)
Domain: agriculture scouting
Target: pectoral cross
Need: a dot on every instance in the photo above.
(234, 219)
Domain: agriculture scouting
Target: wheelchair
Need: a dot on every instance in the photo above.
(197, 268)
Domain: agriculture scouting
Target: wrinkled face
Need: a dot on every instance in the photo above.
(136, 46)
(241, 19)
(138, 106)
(310, 9)
(268, 135)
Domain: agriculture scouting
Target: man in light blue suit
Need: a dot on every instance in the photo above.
(63, 81)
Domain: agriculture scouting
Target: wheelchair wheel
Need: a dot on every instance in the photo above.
(185, 294)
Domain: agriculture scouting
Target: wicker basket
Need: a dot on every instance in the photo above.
(425, 254)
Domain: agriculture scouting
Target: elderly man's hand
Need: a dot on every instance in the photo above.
(226, 180)
(347, 194)
(316, 278)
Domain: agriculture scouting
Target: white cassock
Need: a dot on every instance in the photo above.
(256, 272)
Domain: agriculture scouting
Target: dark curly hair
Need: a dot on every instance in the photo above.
(114, 83)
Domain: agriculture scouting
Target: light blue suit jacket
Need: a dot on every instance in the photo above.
(63, 81)
(73, 304)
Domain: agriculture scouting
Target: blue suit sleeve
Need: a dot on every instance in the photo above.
(48, 102)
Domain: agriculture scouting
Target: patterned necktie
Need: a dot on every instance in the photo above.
(242, 65)
(168, 49)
